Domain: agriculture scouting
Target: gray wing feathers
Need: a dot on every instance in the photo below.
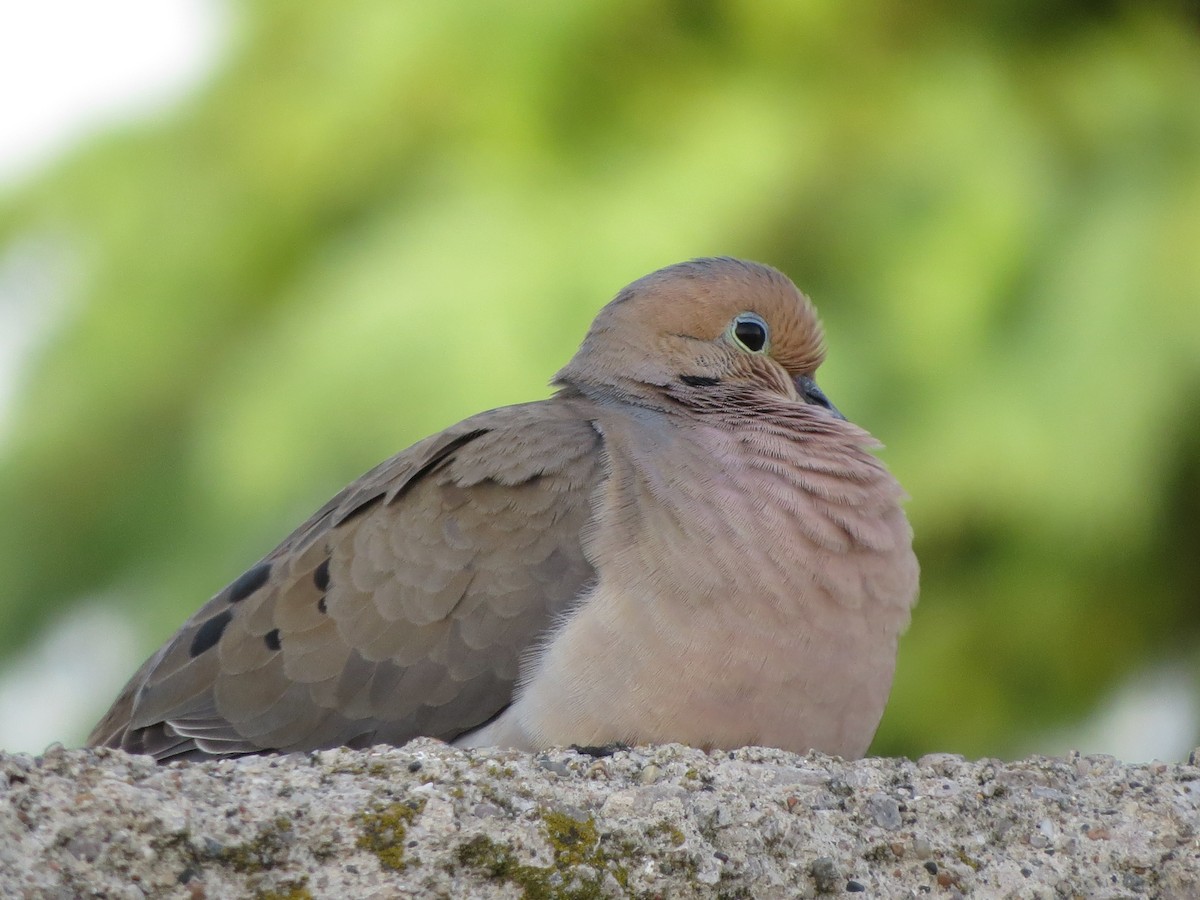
(401, 608)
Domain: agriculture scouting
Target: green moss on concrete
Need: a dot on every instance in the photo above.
(384, 830)
(578, 871)
(287, 890)
(671, 832)
(265, 851)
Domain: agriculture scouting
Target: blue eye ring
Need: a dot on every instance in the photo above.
(750, 332)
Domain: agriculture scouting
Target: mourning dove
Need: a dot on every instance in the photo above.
(687, 542)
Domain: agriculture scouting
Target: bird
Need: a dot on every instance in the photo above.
(686, 542)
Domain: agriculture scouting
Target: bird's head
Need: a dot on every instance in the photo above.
(702, 330)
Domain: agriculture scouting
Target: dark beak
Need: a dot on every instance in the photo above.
(808, 390)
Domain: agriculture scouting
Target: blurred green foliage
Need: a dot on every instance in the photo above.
(380, 218)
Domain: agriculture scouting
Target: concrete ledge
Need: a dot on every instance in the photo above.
(428, 820)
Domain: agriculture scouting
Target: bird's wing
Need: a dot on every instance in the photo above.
(401, 608)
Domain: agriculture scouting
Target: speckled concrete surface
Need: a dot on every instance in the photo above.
(428, 820)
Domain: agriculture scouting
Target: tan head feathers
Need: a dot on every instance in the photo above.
(706, 321)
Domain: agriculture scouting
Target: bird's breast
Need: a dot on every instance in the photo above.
(740, 598)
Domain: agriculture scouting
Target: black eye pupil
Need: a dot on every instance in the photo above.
(752, 334)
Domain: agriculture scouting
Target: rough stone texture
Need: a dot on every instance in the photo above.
(428, 820)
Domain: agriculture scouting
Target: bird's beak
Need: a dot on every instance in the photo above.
(810, 393)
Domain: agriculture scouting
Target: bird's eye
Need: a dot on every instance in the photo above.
(750, 331)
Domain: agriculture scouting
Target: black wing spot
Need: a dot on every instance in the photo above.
(359, 510)
(209, 633)
(438, 461)
(249, 583)
(699, 380)
(271, 639)
(321, 577)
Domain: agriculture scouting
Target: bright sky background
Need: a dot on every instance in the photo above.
(68, 67)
